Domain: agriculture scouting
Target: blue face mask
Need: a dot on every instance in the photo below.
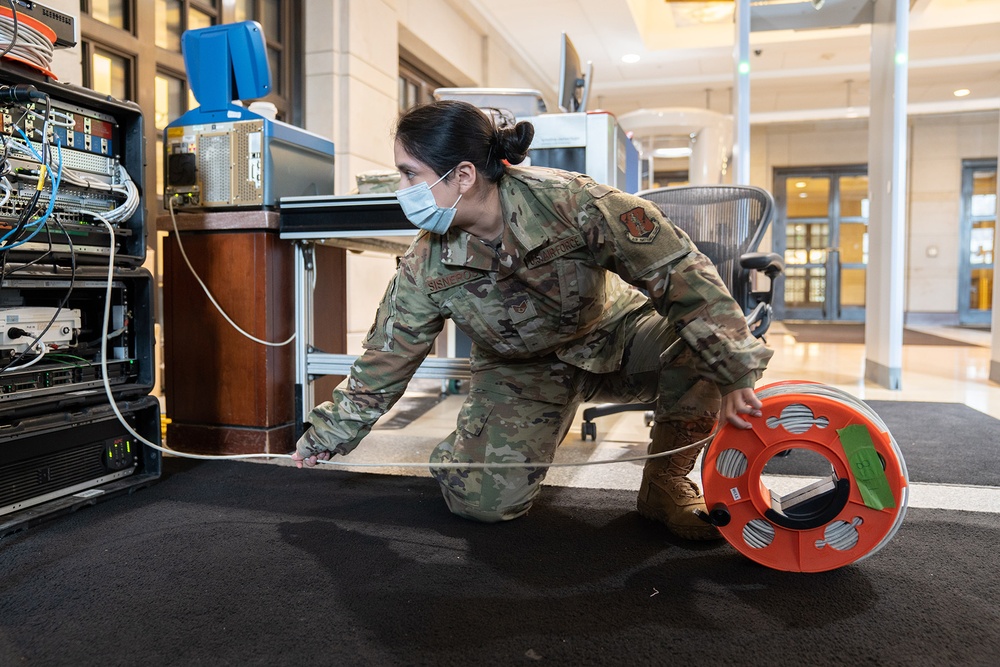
(420, 208)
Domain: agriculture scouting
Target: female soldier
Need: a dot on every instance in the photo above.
(539, 267)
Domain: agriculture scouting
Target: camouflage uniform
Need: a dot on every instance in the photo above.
(554, 320)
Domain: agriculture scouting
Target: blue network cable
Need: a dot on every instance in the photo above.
(39, 224)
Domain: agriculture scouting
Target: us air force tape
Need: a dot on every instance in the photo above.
(838, 519)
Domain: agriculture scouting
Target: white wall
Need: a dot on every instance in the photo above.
(937, 146)
(352, 59)
(809, 144)
(67, 63)
(352, 55)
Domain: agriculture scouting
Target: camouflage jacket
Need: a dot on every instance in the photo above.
(560, 281)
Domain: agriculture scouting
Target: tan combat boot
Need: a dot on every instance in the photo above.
(667, 494)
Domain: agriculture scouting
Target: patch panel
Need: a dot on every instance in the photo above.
(95, 150)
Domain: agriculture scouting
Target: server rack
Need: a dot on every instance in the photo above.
(76, 315)
(58, 462)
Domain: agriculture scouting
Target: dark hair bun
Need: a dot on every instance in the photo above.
(513, 142)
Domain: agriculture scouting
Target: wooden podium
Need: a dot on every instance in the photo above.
(225, 393)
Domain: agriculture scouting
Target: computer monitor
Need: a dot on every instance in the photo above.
(574, 83)
(226, 62)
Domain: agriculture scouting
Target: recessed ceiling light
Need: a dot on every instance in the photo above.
(675, 152)
(962, 92)
(630, 58)
(800, 184)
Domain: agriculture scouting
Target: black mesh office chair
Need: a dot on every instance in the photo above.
(727, 222)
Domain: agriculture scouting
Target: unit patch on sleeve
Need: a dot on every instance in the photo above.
(640, 228)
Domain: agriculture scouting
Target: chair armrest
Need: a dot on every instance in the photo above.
(768, 262)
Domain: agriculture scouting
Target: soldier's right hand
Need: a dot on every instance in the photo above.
(309, 461)
(309, 452)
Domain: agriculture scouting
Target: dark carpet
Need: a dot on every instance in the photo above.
(942, 443)
(232, 563)
(851, 333)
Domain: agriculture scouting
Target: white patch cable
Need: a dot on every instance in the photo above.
(204, 287)
(340, 463)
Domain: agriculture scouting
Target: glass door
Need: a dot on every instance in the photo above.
(852, 226)
(821, 229)
(979, 219)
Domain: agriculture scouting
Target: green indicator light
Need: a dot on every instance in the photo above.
(744, 67)
(901, 58)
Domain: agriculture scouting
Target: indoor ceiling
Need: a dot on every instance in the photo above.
(685, 52)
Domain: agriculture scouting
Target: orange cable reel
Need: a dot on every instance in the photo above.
(44, 30)
(852, 503)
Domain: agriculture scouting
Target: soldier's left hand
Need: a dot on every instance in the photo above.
(740, 403)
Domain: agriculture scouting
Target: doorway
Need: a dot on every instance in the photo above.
(978, 239)
(821, 230)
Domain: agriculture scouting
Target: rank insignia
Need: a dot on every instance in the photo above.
(521, 309)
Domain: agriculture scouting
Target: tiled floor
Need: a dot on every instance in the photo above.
(938, 373)
(934, 373)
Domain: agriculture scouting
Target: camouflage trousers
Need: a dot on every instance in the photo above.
(519, 412)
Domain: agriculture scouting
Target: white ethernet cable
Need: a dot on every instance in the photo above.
(204, 287)
(340, 463)
(42, 349)
(25, 42)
